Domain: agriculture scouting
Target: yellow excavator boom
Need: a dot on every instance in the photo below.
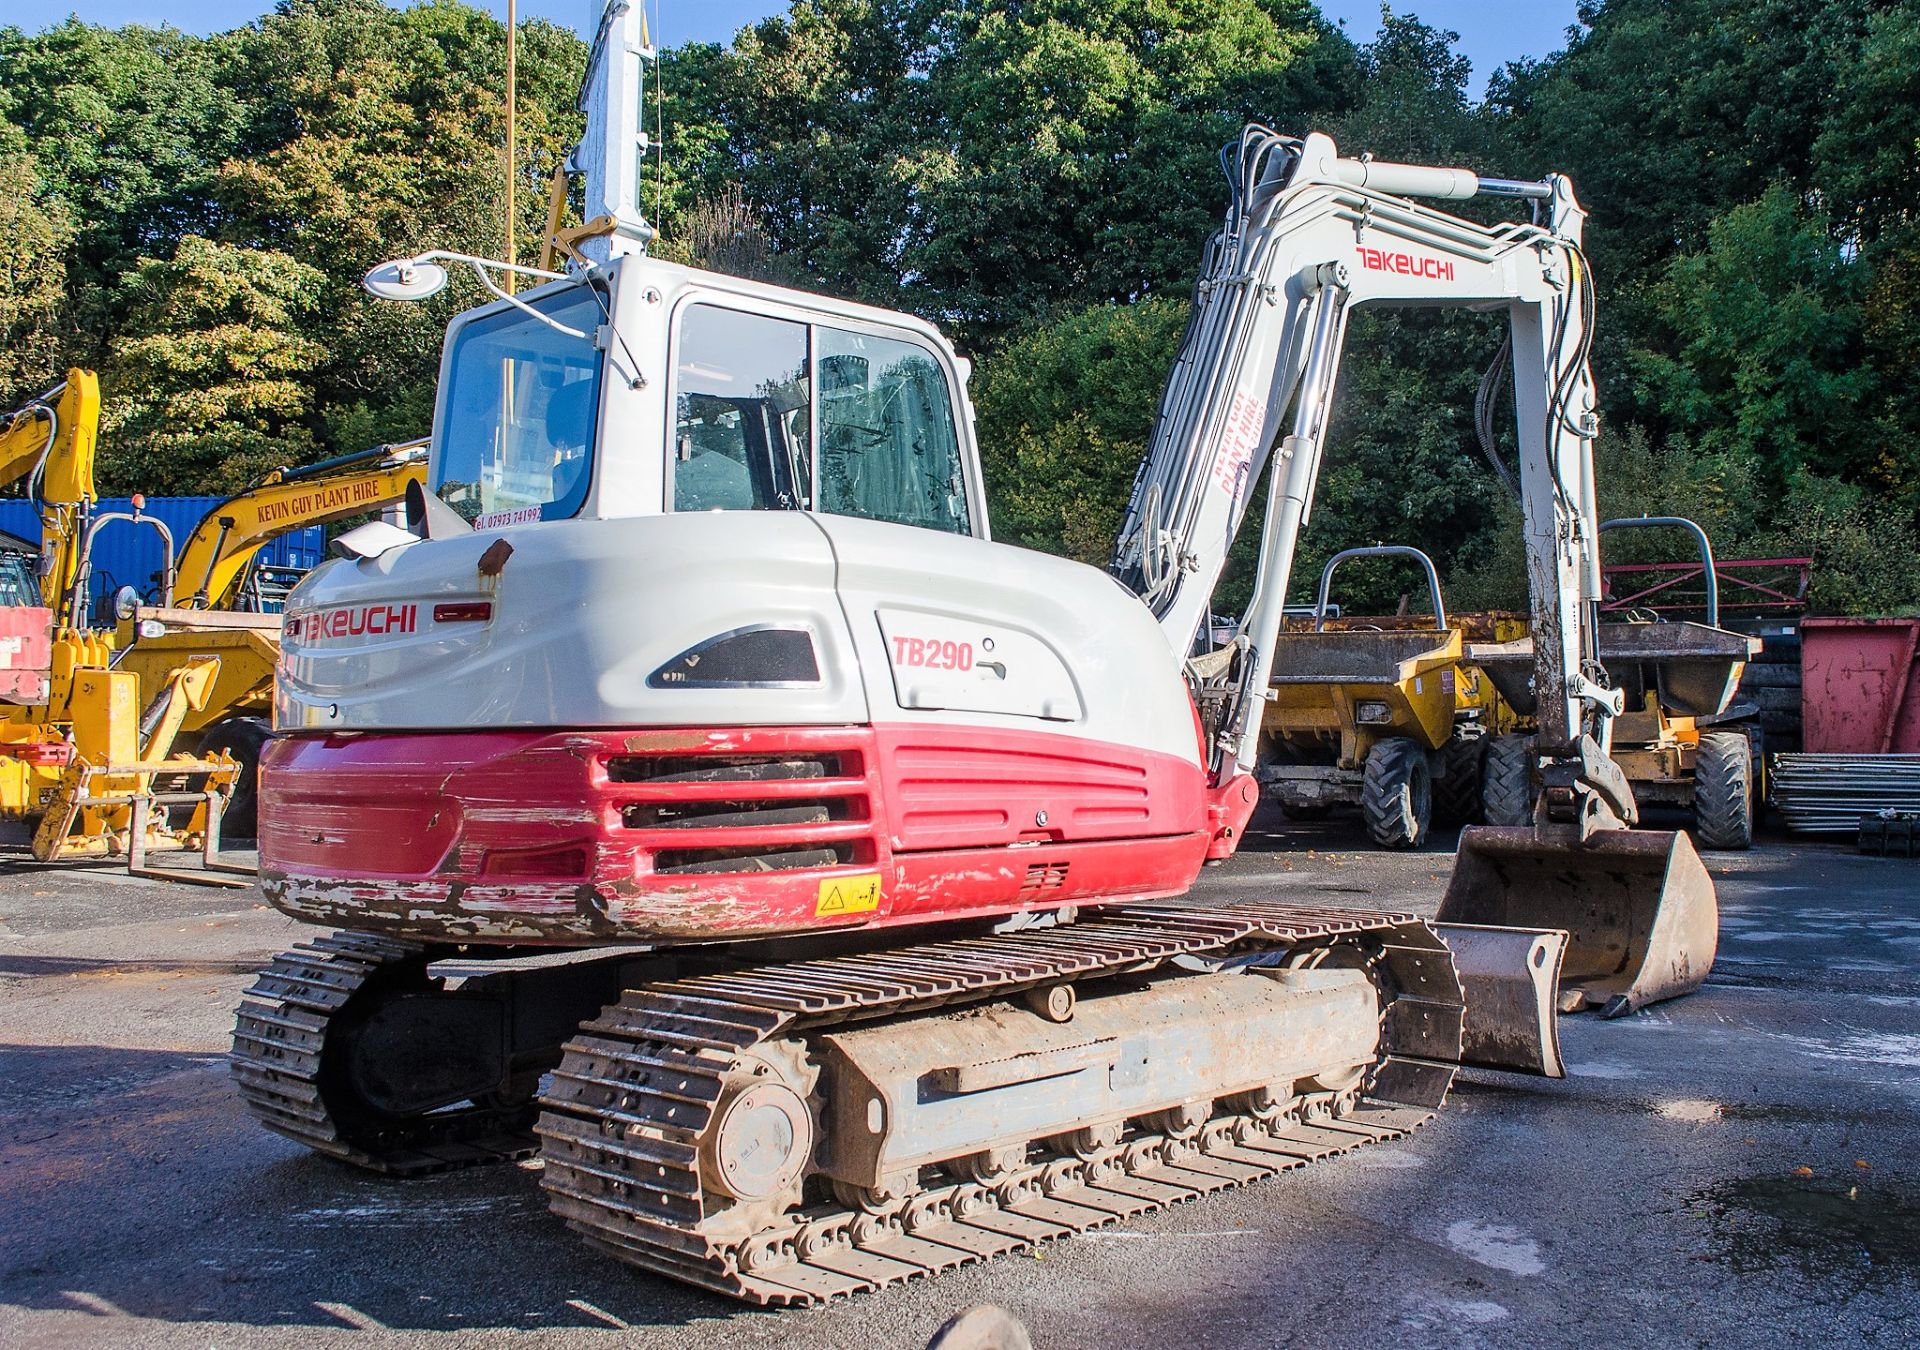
(213, 560)
(50, 442)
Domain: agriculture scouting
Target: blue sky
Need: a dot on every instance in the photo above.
(1492, 32)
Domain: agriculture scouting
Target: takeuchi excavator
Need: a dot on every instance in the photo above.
(705, 801)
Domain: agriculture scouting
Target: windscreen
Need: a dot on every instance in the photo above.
(518, 411)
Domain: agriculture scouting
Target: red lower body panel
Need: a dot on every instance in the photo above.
(673, 836)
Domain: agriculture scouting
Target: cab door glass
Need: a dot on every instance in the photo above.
(888, 446)
(742, 438)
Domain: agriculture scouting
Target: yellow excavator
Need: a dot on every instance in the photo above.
(87, 767)
(92, 716)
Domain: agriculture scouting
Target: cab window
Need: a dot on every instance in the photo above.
(888, 447)
(742, 424)
(775, 414)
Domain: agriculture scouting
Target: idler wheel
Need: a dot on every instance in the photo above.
(760, 1142)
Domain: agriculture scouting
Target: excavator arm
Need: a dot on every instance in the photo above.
(1310, 236)
(49, 442)
(213, 559)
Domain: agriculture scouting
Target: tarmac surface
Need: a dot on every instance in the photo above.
(1739, 1167)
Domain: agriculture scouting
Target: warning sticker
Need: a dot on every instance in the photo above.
(848, 895)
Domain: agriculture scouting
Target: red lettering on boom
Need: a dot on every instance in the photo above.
(1405, 264)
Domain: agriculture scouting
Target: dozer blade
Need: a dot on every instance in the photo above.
(1511, 978)
(1637, 905)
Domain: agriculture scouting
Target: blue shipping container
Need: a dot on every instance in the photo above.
(126, 554)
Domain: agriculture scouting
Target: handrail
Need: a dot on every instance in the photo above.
(1706, 553)
(1379, 551)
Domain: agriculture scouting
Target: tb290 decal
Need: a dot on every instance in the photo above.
(932, 653)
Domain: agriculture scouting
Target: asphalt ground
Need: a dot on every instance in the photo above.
(1735, 1168)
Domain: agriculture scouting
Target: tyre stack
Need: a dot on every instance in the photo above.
(1771, 682)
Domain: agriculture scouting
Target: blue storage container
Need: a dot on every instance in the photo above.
(129, 554)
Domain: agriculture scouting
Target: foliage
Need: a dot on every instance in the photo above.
(211, 378)
(193, 214)
(1758, 348)
(35, 236)
(1063, 413)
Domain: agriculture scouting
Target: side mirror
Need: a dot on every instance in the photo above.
(405, 279)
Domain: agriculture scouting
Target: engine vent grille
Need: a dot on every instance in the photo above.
(791, 808)
(748, 858)
(728, 768)
(1050, 876)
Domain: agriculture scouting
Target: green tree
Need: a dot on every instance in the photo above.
(36, 235)
(127, 127)
(1063, 414)
(209, 384)
(1759, 349)
(376, 133)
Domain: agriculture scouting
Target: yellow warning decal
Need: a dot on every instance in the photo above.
(848, 895)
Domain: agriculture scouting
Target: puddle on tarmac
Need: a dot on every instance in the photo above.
(1824, 1226)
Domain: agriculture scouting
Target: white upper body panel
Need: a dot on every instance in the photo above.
(589, 621)
(720, 503)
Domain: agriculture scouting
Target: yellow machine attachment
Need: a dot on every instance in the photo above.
(214, 558)
(155, 641)
(123, 768)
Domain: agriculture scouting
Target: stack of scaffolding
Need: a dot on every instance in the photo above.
(1831, 793)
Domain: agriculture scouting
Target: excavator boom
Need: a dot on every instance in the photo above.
(213, 559)
(1310, 236)
(49, 442)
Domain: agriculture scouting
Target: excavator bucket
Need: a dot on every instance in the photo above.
(1637, 905)
(1511, 979)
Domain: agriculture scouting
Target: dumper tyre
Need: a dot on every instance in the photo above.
(1397, 800)
(1456, 792)
(1506, 781)
(1723, 790)
(244, 738)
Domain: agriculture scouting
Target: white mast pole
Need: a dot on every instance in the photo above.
(615, 144)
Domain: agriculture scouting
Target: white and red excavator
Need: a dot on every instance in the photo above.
(706, 802)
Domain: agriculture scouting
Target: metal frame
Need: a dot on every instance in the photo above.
(1379, 551)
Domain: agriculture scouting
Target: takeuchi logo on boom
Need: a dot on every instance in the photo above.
(1405, 264)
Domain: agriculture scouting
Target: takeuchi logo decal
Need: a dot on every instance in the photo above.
(1405, 264)
(357, 621)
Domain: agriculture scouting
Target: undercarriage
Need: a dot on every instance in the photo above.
(785, 1132)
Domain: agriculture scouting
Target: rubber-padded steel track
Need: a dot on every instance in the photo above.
(638, 1089)
(280, 1064)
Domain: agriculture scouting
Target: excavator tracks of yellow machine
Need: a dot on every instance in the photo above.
(283, 1067)
(677, 1129)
